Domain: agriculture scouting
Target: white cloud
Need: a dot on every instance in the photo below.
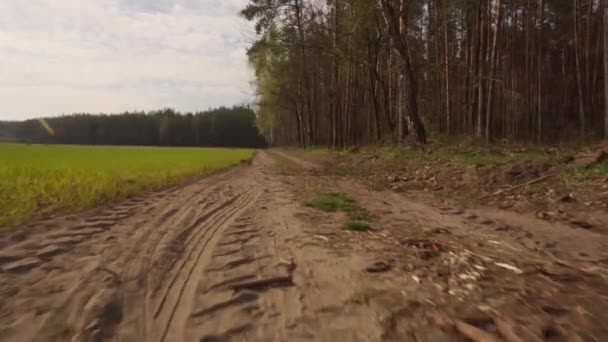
(63, 56)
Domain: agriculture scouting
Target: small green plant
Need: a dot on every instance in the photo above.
(336, 202)
(332, 202)
(601, 168)
(578, 173)
(356, 225)
(404, 153)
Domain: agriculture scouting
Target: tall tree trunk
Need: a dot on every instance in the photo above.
(302, 79)
(493, 58)
(541, 12)
(527, 62)
(447, 73)
(335, 80)
(581, 106)
(415, 126)
(468, 75)
(480, 71)
(299, 123)
(372, 60)
(606, 71)
(588, 89)
(437, 75)
(400, 84)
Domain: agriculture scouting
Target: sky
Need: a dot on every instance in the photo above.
(108, 56)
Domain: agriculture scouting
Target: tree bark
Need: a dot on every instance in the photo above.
(541, 11)
(447, 73)
(606, 71)
(335, 79)
(303, 80)
(480, 72)
(581, 105)
(493, 58)
(415, 126)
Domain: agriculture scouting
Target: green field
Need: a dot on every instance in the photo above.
(36, 180)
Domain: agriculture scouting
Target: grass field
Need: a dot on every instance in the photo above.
(36, 180)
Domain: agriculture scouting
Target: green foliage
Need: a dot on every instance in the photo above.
(601, 168)
(324, 71)
(333, 202)
(579, 173)
(38, 179)
(270, 62)
(337, 202)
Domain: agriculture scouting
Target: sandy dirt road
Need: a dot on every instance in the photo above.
(238, 257)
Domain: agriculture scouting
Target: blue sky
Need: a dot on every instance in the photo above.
(65, 56)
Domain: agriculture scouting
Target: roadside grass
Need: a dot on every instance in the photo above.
(601, 168)
(357, 216)
(37, 180)
(576, 174)
(404, 153)
(470, 154)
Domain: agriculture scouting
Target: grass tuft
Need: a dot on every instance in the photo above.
(601, 168)
(356, 225)
(333, 202)
(336, 202)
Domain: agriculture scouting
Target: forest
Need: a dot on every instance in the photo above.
(351, 72)
(221, 127)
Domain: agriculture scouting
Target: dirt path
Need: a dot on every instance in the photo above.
(238, 257)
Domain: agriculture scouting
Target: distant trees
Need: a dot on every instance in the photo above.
(7, 131)
(347, 72)
(227, 127)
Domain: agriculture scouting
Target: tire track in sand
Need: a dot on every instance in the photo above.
(175, 303)
(85, 305)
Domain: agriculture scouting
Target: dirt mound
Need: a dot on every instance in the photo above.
(592, 156)
(513, 174)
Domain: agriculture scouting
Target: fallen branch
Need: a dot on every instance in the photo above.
(537, 180)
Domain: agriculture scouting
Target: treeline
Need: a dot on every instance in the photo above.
(226, 127)
(7, 131)
(347, 72)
